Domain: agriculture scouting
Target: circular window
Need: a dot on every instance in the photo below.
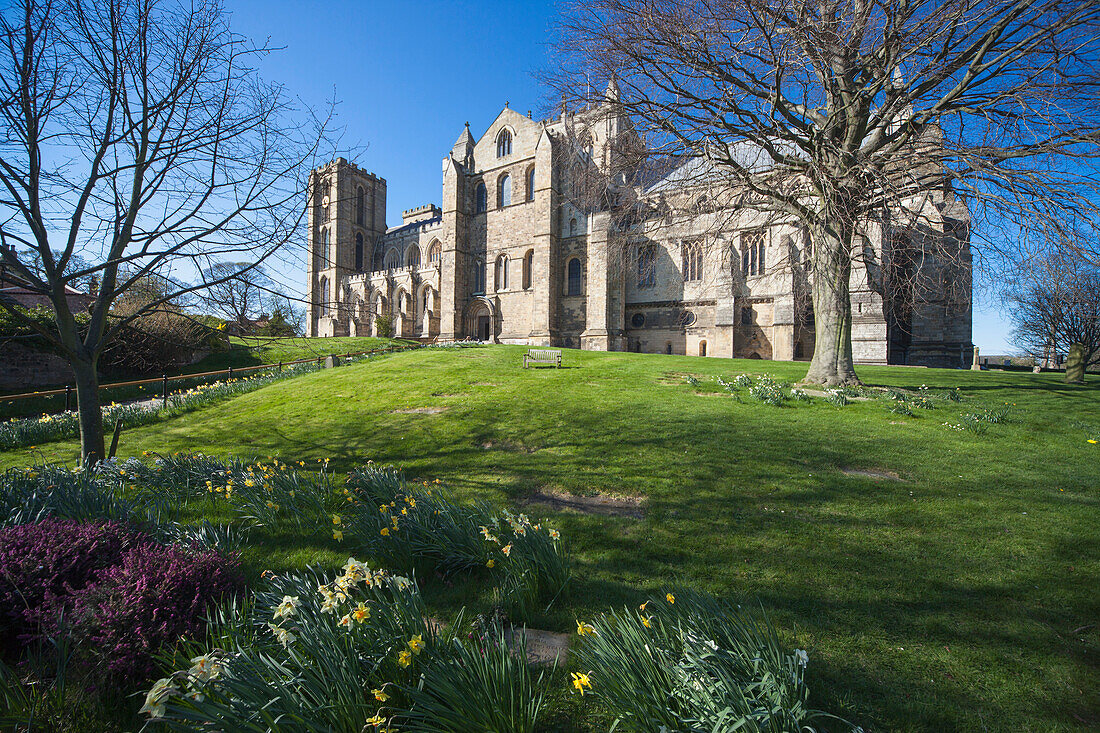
(687, 318)
(637, 320)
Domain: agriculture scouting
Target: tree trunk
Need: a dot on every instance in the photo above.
(89, 411)
(832, 363)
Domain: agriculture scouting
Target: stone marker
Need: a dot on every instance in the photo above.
(1075, 364)
(332, 361)
(976, 366)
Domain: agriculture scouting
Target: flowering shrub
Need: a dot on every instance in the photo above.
(801, 395)
(836, 397)
(690, 662)
(43, 563)
(767, 392)
(150, 597)
(425, 527)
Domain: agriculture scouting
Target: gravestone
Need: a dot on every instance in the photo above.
(976, 366)
(332, 361)
(1075, 364)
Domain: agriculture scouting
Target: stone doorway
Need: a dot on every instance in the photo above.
(483, 327)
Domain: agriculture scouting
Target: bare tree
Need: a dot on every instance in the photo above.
(838, 114)
(1055, 303)
(136, 135)
(239, 292)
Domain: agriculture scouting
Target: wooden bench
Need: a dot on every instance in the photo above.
(542, 356)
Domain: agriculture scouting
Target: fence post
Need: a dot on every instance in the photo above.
(68, 396)
(165, 385)
(230, 372)
(280, 366)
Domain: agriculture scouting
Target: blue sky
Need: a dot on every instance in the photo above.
(407, 76)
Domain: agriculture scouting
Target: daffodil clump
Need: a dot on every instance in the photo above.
(422, 527)
(686, 661)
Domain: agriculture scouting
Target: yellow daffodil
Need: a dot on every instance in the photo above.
(361, 613)
(670, 598)
(337, 535)
(507, 549)
(646, 622)
(416, 644)
(491, 563)
(376, 721)
(642, 607)
(404, 658)
(581, 682)
(385, 532)
(1092, 440)
(404, 511)
(584, 629)
(412, 503)
(335, 518)
(380, 695)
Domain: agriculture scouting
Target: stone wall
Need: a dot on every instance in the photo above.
(24, 369)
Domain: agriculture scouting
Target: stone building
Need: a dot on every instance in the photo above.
(512, 256)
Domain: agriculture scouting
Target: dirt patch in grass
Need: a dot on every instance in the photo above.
(507, 446)
(609, 506)
(484, 384)
(677, 378)
(419, 410)
(448, 394)
(878, 474)
(819, 393)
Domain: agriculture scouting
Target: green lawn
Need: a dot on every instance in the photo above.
(963, 596)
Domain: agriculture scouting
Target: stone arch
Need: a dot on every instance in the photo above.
(401, 315)
(504, 142)
(481, 319)
(500, 273)
(393, 259)
(427, 310)
(435, 253)
(504, 190)
(412, 256)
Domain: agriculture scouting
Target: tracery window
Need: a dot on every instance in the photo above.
(324, 295)
(752, 252)
(501, 279)
(435, 252)
(504, 143)
(528, 262)
(692, 261)
(531, 183)
(481, 198)
(412, 259)
(504, 191)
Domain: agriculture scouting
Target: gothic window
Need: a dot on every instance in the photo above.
(358, 252)
(359, 206)
(528, 261)
(504, 191)
(702, 348)
(324, 295)
(752, 252)
(481, 198)
(531, 183)
(479, 277)
(573, 226)
(324, 249)
(504, 143)
(647, 261)
(393, 259)
(434, 253)
(501, 275)
(412, 258)
(574, 277)
(692, 260)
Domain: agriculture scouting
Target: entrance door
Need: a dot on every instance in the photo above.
(483, 328)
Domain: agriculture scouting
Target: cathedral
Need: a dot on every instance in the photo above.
(512, 255)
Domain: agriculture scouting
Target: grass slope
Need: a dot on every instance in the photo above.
(961, 597)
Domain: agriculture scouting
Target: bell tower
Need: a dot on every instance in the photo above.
(347, 218)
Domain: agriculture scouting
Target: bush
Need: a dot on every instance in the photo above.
(43, 563)
(692, 663)
(150, 597)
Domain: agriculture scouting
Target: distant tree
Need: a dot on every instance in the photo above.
(1054, 302)
(137, 136)
(240, 292)
(834, 113)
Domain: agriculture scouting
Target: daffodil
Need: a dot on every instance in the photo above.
(416, 644)
(491, 563)
(361, 613)
(155, 699)
(284, 636)
(670, 598)
(287, 607)
(554, 534)
(507, 549)
(335, 518)
(380, 695)
(642, 607)
(385, 532)
(646, 621)
(581, 682)
(376, 721)
(337, 535)
(584, 629)
(404, 658)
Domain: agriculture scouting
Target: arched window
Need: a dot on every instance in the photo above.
(573, 270)
(573, 226)
(481, 198)
(358, 252)
(479, 276)
(504, 191)
(528, 262)
(692, 261)
(324, 295)
(702, 348)
(412, 257)
(530, 184)
(359, 206)
(500, 281)
(393, 259)
(504, 143)
(435, 253)
(752, 252)
(647, 262)
(324, 249)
